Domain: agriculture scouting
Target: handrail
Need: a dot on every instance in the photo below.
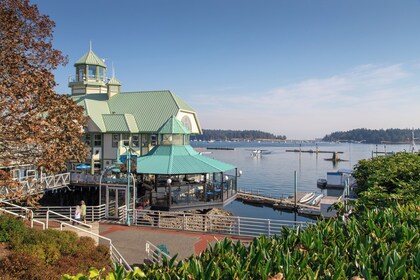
(69, 218)
(154, 254)
(115, 254)
(31, 217)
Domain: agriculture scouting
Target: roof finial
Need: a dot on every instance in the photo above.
(90, 45)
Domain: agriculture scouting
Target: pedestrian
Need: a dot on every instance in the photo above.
(83, 211)
(77, 214)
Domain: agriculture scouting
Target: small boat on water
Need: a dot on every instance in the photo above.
(309, 212)
(260, 152)
(317, 200)
(307, 197)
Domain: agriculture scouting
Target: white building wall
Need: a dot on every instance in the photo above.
(194, 124)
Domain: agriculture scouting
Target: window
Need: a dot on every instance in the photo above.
(144, 140)
(115, 140)
(166, 139)
(186, 122)
(135, 140)
(80, 73)
(97, 140)
(101, 73)
(126, 140)
(87, 139)
(153, 139)
(92, 71)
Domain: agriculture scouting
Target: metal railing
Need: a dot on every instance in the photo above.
(35, 185)
(17, 210)
(155, 254)
(264, 193)
(60, 217)
(93, 213)
(224, 225)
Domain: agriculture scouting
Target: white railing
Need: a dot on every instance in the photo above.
(264, 193)
(226, 225)
(35, 185)
(70, 219)
(154, 254)
(93, 213)
(16, 210)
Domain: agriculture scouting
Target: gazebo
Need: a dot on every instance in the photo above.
(177, 177)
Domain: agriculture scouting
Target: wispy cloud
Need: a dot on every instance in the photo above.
(371, 96)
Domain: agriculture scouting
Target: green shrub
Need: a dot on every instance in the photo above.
(9, 227)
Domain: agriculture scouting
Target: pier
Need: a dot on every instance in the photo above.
(220, 148)
(287, 203)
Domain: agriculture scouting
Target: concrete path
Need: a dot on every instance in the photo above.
(131, 241)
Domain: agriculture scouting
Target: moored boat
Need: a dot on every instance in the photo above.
(253, 200)
(317, 200)
(307, 197)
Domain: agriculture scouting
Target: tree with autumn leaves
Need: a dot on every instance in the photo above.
(37, 125)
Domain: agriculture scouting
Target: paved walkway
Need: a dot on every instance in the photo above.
(131, 241)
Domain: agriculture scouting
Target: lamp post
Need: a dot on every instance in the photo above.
(128, 152)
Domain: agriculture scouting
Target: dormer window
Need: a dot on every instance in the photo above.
(92, 71)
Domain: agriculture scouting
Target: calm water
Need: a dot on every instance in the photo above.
(273, 174)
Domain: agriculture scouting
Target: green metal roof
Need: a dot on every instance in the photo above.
(173, 126)
(120, 123)
(149, 109)
(90, 58)
(178, 160)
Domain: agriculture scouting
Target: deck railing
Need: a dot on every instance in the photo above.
(33, 185)
(224, 225)
(155, 254)
(93, 213)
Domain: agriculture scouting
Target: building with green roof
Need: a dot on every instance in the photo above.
(153, 129)
(117, 118)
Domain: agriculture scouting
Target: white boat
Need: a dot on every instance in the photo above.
(307, 197)
(259, 152)
(317, 200)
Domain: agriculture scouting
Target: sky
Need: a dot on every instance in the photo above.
(299, 68)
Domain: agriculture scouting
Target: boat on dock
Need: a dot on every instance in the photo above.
(307, 197)
(253, 200)
(321, 183)
(317, 200)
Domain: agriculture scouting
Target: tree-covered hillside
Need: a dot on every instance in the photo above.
(219, 134)
(373, 136)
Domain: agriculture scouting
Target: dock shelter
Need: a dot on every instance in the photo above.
(177, 177)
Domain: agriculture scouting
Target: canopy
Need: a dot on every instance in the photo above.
(83, 166)
(178, 160)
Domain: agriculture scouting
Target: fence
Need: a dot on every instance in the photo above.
(225, 225)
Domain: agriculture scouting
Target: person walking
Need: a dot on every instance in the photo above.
(77, 214)
(83, 211)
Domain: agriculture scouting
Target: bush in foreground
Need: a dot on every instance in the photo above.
(378, 244)
(47, 254)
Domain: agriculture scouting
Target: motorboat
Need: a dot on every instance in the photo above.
(307, 197)
(260, 152)
(321, 183)
(317, 200)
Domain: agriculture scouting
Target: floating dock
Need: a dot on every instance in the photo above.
(287, 204)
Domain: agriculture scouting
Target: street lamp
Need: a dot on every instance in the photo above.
(128, 152)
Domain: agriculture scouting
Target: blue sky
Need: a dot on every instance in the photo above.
(297, 68)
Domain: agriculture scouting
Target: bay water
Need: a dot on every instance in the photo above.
(273, 174)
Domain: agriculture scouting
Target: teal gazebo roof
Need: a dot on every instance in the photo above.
(173, 126)
(178, 160)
